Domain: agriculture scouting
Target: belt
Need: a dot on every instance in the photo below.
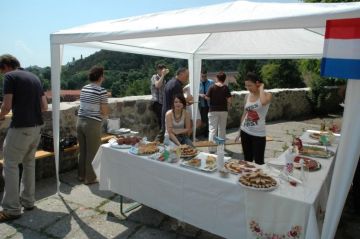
(27, 126)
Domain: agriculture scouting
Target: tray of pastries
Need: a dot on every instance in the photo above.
(309, 164)
(315, 151)
(239, 166)
(146, 148)
(203, 161)
(316, 135)
(258, 180)
(186, 151)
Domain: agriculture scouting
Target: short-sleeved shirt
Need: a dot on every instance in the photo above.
(157, 93)
(254, 121)
(204, 87)
(218, 97)
(27, 92)
(172, 88)
(91, 97)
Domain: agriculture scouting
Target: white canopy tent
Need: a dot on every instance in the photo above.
(234, 30)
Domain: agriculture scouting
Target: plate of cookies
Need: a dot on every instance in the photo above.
(239, 166)
(146, 149)
(258, 180)
(186, 151)
(203, 161)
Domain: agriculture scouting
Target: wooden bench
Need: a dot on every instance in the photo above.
(45, 154)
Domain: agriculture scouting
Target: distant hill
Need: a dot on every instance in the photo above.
(127, 74)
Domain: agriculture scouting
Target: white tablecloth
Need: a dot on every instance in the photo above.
(220, 206)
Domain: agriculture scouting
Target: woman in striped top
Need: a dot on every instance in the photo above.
(93, 108)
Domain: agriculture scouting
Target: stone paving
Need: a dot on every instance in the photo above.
(82, 211)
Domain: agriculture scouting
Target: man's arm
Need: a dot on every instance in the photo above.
(44, 103)
(6, 105)
(104, 110)
(159, 83)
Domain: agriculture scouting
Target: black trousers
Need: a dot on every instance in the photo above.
(157, 108)
(253, 147)
(204, 118)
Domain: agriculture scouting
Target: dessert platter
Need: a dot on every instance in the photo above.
(124, 142)
(309, 164)
(203, 161)
(186, 151)
(258, 180)
(239, 166)
(317, 137)
(146, 148)
(315, 151)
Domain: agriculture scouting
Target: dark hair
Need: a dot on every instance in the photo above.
(9, 60)
(95, 73)
(160, 66)
(204, 71)
(181, 98)
(221, 76)
(181, 70)
(251, 76)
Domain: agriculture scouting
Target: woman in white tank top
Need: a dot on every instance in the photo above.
(178, 123)
(252, 124)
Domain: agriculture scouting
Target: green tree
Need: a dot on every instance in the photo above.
(117, 89)
(243, 68)
(282, 74)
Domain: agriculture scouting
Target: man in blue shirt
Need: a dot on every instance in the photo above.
(205, 84)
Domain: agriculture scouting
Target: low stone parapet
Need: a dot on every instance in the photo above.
(135, 113)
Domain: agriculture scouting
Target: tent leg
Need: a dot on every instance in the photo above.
(128, 209)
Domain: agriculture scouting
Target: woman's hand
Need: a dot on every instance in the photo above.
(261, 86)
(164, 72)
(237, 139)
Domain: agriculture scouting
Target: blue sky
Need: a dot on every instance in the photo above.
(26, 25)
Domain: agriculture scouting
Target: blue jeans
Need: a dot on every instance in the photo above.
(183, 139)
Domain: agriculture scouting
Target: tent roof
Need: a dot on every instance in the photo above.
(231, 30)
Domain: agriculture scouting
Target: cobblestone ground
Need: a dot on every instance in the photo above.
(85, 212)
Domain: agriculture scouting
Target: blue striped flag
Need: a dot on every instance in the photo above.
(341, 57)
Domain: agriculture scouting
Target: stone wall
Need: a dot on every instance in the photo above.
(135, 111)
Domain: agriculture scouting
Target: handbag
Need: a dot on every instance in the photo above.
(68, 142)
(47, 142)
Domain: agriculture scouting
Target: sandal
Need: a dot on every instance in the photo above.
(4, 217)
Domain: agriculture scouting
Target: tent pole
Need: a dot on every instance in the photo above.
(56, 56)
(194, 78)
(346, 160)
